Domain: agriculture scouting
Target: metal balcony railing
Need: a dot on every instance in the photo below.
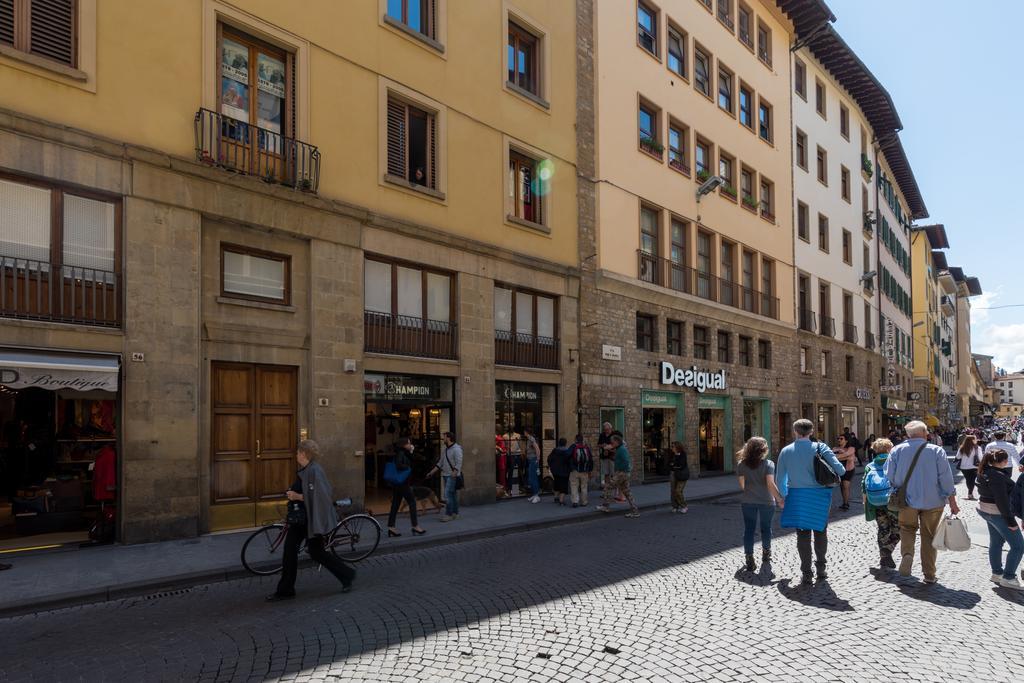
(409, 336)
(680, 278)
(525, 350)
(807, 320)
(828, 326)
(38, 290)
(240, 146)
(850, 333)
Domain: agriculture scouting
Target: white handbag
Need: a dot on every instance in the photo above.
(952, 535)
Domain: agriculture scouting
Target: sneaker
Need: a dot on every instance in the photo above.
(684, 510)
(1011, 583)
(445, 518)
(935, 579)
(996, 578)
(535, 499)
(906, 564)
(603, 508)
(455, 515)
(633, 515)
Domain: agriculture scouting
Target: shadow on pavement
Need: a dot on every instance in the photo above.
(937, 594)
(819, 595)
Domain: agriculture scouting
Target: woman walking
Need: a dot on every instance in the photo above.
(403, 491)
(311, 516)
(678, 477)
(760, 494)
(887, 521)
(847, 455)
(969, 455)
(994, 488)
(558, 463)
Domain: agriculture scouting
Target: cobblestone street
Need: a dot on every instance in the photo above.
(653, 599)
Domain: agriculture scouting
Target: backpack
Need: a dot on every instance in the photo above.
(582, 458)
(823, 472)
(1017, 498)
(877, 487)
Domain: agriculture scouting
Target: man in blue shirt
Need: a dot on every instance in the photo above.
(807, 503)
(928, 489)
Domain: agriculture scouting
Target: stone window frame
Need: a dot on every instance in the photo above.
(388, 89)
(513, 15)
(83, 74)
(245, 250)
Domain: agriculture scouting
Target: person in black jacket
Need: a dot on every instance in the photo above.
(994, 488)
(403, 491)
(678, 476)
(558, 463)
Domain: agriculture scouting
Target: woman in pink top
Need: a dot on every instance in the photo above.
(847, 455)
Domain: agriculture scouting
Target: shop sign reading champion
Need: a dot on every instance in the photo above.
(701, 380)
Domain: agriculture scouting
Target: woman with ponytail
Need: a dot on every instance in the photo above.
(969, 457)
(994, 488)
(757, 481)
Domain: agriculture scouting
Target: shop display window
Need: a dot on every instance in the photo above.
(519, 406)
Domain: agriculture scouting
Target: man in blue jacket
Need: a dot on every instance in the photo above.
(928, 489)
(807, 503)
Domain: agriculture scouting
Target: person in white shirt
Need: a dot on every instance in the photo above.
(969, 455)
(1000, 442)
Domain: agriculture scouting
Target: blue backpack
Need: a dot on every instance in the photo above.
(877, 486)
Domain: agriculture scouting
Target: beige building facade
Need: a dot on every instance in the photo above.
(353, 224)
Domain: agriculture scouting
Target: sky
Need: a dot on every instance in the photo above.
(946, 65)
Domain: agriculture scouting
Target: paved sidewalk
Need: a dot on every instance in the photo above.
(58, 579)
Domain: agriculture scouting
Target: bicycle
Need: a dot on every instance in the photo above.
(352, 539)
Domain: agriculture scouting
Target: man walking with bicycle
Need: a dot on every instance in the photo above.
(311, 516)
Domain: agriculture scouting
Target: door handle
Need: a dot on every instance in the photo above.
(258, 448)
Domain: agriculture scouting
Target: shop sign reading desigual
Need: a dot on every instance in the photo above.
(701, 380)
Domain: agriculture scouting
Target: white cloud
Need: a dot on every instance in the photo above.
(979, 306)
(1005, 342)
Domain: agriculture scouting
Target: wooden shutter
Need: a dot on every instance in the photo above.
(432, 179)
(397, 139)
(7, 22)
(52, 30)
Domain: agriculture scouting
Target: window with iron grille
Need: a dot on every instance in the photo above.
(764, 354)
(645, 332)
(45, 28)
(700, 342)
(418, 15)
(523, 59)
(764, 43)
(724, 352)
(674, 338)
(412, 143)
(678, 156)
(745, 19)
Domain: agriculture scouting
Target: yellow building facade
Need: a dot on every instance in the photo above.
(926, 263)
(354, 222)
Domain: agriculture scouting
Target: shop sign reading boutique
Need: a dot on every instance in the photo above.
(701, 380)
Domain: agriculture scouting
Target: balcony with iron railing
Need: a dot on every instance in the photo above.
(828, 326)
(525, 350)
(807, 320)
(244, 148)
(409, 336)
(680, 278)
(850, 333)
(38, 290)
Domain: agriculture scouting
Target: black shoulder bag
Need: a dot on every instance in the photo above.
(823, 472)
(898, 498)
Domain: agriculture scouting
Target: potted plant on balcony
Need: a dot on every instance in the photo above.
(703, 175)
(750, 202)
(729, 191)
(651, 146)
(306, 185)
(865, 165)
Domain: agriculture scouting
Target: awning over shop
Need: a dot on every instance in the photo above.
(57, 372)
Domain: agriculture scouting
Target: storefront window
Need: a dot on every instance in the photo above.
(662, 424)
(518, 407)
(714, 434)
(420, 408)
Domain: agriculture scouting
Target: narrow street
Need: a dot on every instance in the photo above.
(653, 599)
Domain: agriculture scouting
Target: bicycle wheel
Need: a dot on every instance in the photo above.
(355, 538)
(261, 552)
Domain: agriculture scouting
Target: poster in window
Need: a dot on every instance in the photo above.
(234, 59)
(270, 75)
(234, 99)
(268, 112)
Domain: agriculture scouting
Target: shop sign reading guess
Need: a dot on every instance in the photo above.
(701, 380)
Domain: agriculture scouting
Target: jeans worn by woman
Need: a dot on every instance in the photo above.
(451, 496)
(998, 533)
(751, 513)
(533, 466)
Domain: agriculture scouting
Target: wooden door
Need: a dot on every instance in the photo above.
(253, 436)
